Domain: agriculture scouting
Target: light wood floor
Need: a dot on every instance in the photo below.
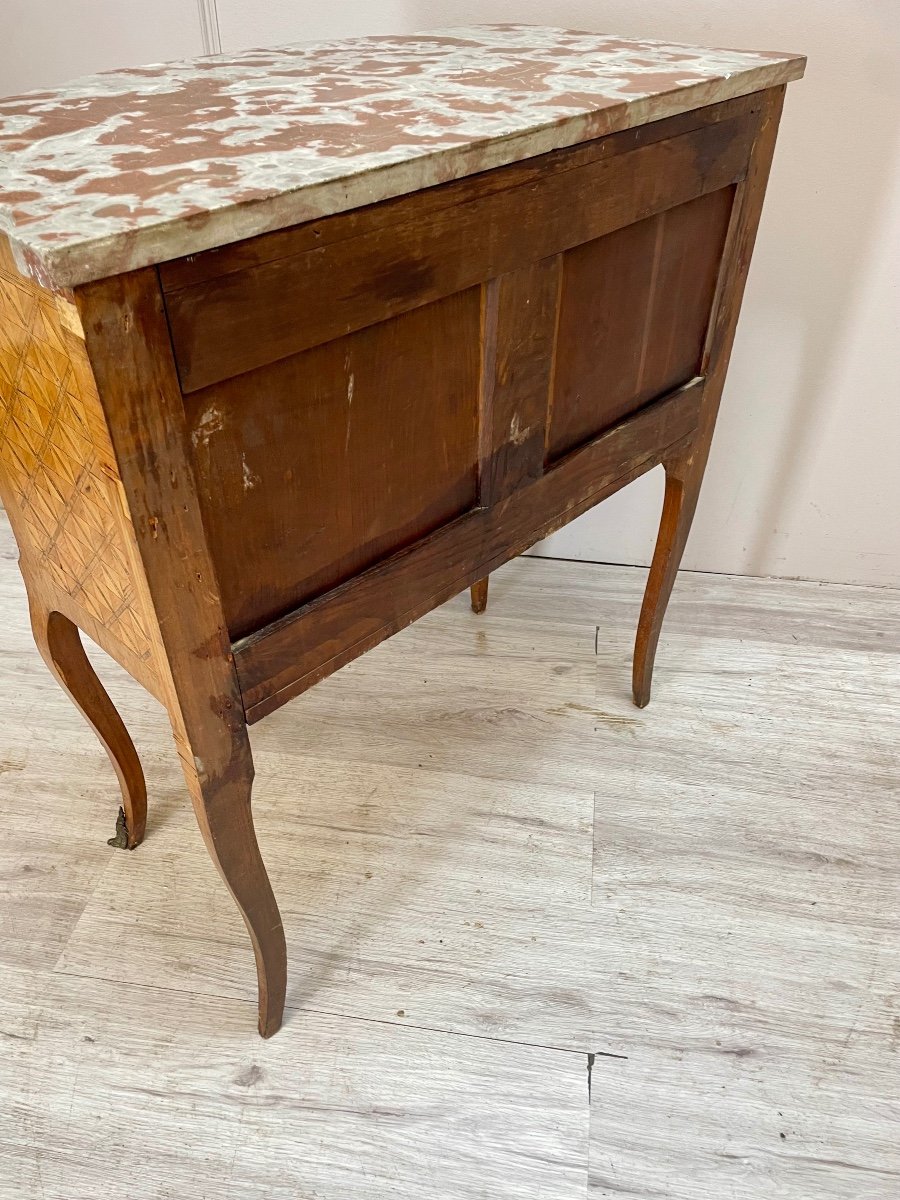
(542, 945)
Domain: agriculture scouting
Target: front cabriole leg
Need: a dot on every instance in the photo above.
(220, 780)
(59, 642)
(131, 355)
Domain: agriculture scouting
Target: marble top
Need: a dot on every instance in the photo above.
(133, 167)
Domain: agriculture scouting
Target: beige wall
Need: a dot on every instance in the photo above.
(804, 478)
(46, 42)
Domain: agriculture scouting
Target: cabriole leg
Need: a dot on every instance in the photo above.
(127, 337)
(222, 807)
(684, 475)
(59, 642)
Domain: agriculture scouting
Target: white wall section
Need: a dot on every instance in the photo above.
(48, 42)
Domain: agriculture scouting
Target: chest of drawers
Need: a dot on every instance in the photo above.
(297, 344)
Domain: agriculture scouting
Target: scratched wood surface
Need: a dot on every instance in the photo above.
(491, 866)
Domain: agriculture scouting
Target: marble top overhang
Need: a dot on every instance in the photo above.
(133, 167)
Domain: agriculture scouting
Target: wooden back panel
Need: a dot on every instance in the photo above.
(363, 389)
(634, 310)
(314, 467)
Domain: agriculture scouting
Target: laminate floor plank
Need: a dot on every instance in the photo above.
(755, 826)
(713, 1125)
(497, 716)
(657, 968)
(131, 1091)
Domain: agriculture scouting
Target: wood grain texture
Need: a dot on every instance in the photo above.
(58, 476)
(479, 594)
(634, 310)
(383, 1117)
(137, 382)
(314, 468)
(730, 934)
(59, 643)
(728, 1118)
(520, 349)
(684, 476)
(61, 486)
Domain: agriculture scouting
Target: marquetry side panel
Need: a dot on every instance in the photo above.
(59, 475)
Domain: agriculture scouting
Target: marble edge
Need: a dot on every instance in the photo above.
(85, 262)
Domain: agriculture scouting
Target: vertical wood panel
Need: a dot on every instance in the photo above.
(691, 245)
(313, 468)
(606, 285)
(634, 311)
(518, 368)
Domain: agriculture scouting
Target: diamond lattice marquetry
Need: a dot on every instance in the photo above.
(58, 462)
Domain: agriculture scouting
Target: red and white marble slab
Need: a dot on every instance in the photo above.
(133, 167)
